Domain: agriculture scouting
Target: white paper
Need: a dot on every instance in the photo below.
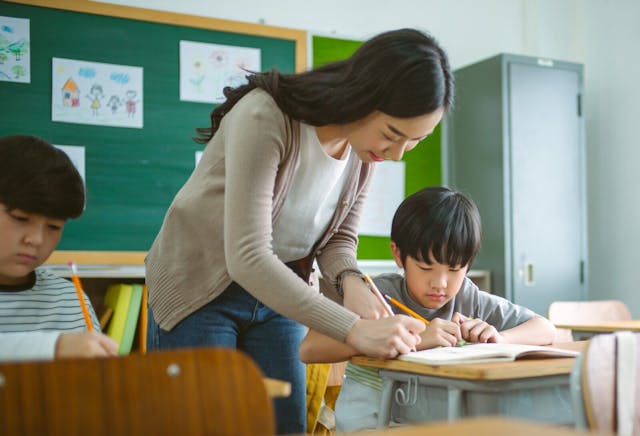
(483, 352)
(385, 195)
(15, 56)
(76, 154)
(95, 93)
(206, 69)
(198, 157)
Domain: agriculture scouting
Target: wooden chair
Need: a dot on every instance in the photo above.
(577, 312)
(204, 391)
(605, 384)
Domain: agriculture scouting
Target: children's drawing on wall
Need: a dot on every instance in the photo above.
(15, 59)
(96, 93)
(206, 69)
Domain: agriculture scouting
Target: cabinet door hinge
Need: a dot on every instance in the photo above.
(582, 272)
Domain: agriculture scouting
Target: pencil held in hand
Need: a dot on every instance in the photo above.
(405, 309)
(83, 305)
(378, 294)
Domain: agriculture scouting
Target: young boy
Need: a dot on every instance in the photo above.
(435, 236)
(40, 315)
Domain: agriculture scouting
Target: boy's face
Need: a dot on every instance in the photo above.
(27, 241)
(431, 286)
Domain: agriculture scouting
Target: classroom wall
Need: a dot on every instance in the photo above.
(602, 34)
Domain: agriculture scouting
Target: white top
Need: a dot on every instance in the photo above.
(31, 319)
(312, 199)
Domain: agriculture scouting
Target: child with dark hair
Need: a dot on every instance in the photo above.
(281, 183)
(435, 236)
(40, 314)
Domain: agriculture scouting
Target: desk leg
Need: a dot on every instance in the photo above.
(384, 411)
(454, 404)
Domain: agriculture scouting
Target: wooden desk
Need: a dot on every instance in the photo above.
(277, 388)
(585, 331)
(535, 389)
(483, 426)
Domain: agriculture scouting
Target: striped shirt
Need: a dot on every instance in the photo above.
(32, 319)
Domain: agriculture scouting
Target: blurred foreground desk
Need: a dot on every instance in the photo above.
(484, 426)
(536, 389)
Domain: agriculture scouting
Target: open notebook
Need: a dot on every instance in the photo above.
(480, 353)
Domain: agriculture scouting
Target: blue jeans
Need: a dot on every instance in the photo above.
(238, 320)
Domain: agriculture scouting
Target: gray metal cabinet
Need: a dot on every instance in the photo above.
(515, 143)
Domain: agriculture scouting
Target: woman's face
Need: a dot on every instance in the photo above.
(379, 137)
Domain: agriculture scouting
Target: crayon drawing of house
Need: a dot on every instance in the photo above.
(70, 93)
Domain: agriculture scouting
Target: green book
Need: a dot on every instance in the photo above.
(118, 298)
(131, 323)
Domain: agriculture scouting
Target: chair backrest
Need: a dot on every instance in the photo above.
(576, 312)
(579, 312)
(202, 391)
(605, 384)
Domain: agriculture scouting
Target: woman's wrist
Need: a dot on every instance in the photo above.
(348, 275)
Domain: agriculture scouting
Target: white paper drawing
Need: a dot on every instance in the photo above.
(15, 57)
(385, 195)
(76, 154)
(95, 93)
(206, 69)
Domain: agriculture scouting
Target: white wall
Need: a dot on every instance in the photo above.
(612, 38)
(602, 34)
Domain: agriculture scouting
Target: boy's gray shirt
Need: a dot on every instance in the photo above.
(469, 301)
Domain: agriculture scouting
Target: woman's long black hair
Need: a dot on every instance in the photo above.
(403, 73)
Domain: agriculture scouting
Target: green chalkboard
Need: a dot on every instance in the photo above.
(423, 164)
(131, 174)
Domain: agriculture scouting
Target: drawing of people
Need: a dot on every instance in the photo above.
(130, 102)
(95, 95)
(114, 103)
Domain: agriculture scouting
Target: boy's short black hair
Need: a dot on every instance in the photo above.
(437, 221)
(36, 177)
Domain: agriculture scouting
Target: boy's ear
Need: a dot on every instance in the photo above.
(395, 251)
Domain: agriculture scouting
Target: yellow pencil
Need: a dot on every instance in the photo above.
(76, 281)
(405, 308)
(378, 294)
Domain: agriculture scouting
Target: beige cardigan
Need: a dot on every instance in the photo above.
(218, 228)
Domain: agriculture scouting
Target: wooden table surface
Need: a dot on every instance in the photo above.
(482, 371)
(277, 388)
(603, 327)
(481, 426)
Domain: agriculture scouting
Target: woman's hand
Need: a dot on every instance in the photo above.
(476, 330)
(387, 337)
(85, 344)
(360, 299)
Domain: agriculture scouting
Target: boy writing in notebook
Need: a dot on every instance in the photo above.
(435, 236)
(40, 314)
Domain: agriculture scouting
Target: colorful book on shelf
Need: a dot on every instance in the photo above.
(118, 298)
(142, 329)
(481, 353)
(105, 317)
(131, 323)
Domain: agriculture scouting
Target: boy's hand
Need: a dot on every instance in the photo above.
(359, 299)
(85, 344)
(476, 330)
(385, 338)
(440, 333)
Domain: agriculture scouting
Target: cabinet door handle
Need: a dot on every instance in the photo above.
(529, 277)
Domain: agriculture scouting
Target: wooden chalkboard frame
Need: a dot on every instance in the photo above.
(155, 16)
(298, 37)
